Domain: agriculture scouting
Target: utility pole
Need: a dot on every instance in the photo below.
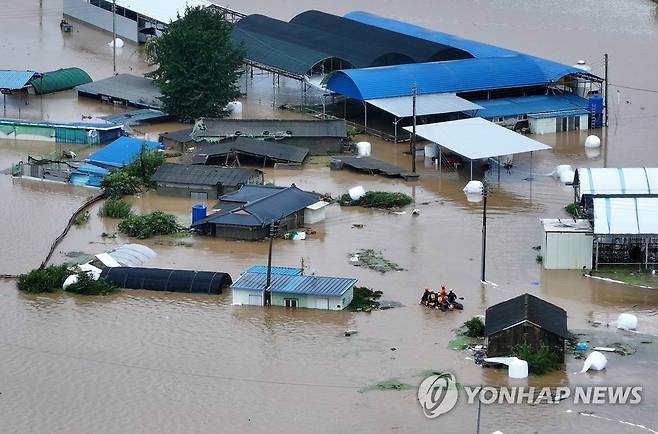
(605, 101)
(267, 295)
(114, 37)
(485, 193)
(413, 134)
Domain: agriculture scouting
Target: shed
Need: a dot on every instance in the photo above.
(566, 244)
(61, 79)
(88, 133)
(121, 152)
(292, 291)
(251, 221)
(124, 89)
(315, 212)
(202, 182)
(244, 150)
(525, 319)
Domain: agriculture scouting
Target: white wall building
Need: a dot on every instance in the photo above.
(567, 244)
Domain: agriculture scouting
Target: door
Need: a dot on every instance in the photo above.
(290, 302)
(255, 300)
(322, 303)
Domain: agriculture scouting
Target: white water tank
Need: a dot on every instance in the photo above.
(234, 107)
(592, 141)
(596, 361)
(473, 187)
(363, 149)
(627, 321)
(118, 42)
(431, 150)
(357, 192)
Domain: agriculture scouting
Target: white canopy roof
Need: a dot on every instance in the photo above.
(617, 181)
(476, 138)
(161, 10)
(426, 104)
(626, 215)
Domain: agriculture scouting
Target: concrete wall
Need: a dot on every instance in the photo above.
(185, 190)
(241, 297)
(82, 10)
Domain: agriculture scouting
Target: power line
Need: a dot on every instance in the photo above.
(641, 89)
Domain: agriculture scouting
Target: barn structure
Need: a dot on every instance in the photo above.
(525, 319)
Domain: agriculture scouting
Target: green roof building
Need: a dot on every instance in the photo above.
(62, 79)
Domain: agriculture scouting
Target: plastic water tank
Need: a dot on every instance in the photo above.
(518, 369)
(198, 212)
(596, 361)
(235, 107)
(336, 164)
(627, 321)
(473, 187)
(357, 192)
(592, 141)
(118, 42)
(364, 149)
(431, 151)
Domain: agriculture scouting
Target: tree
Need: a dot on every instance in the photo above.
(197, 64)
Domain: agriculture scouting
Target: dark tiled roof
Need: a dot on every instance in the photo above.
(273, 127)
(203, 175)
(251, 193)
(263, 148)
(526, 307)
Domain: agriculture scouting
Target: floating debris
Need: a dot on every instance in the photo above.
(374, 260)
(392, 384)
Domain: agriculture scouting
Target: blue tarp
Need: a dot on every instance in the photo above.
(536, 104)
(120, 152)
(14, 80)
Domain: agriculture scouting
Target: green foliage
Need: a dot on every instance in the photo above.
(378, 199)
(146, 164)
(474, 328)
(149, 225)
(539, 259)
(540, 360)
(197, 65)
(115, 208)
(49, 279)
(121, 183)
(572, 209)
(81, 218)
(86, 285)
(364, 299)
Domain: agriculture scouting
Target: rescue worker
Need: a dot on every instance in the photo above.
(425, 298)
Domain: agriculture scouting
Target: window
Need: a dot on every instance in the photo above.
(499, 119)
(521, 117)
(198, 195)
(290, 302)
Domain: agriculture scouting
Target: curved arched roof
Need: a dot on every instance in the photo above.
(450, 76)
(420, 50)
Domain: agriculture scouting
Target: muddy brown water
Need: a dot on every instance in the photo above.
(150, 363)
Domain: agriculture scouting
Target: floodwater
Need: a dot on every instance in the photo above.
(139, 362)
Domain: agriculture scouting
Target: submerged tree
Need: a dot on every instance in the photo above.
(197, 64)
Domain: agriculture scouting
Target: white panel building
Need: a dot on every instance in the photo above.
(566, 244)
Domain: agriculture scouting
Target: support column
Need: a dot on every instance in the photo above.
(471, 170)
(395, 126)
(365, 116)
(646, 253)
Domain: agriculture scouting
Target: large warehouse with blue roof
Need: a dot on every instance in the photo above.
(513, 89)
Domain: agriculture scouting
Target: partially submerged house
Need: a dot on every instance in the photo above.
(246, 151)
(83, 133)
(566, 244)
(202, 182)
(121, 152)
(288, 288)
(124, 89)
(318, 136)
(525, 319)
(284, 207)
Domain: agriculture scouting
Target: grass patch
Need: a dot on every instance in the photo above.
(392, 384)
(378, 199)
(462, 340)
(374, 260)
(86, 285)
(149, 225)
(115, 208)
(364, 299)
(81, 218)
(629, 276)
(540, 360)
(49, 279)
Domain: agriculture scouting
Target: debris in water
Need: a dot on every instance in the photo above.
(364, 299)
(374, 260)
(350, 332)
(358, 225)
(392, 384)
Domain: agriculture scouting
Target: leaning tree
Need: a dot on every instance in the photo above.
(197, 65)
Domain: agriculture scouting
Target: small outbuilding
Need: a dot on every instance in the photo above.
(293, 290)
(567, 244)
(525, 319)
(202, 182)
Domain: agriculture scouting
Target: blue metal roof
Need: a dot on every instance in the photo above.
(120, 152)
(536, 104)
(302, 285)
(14, 80)
(477, 49)
(449, 76)
(285, 271)
(91, 169)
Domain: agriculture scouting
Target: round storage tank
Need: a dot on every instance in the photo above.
(198, 212)
(364, 149)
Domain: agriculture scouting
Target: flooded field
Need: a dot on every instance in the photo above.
(139, 362)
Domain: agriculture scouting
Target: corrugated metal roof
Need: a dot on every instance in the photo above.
(14, 80)
(91, 169)
(626, 215)
(120, 152)
(137, 116)
(138, 91)
(428, 104)
(449, 76)
(75, 125)
(209, 128)
(264, 211)
(567, 225)
(203, 175)
(476, 138)
(302, 285)
(477, 49)
(616, 181)
(250, 193)
(262, 148)
(286, 271)
(526, 307)
(161, 10)
(62, 79)
(532, 105)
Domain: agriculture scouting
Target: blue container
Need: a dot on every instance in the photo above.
(596, 109)
(198, 212)
(581, 346)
